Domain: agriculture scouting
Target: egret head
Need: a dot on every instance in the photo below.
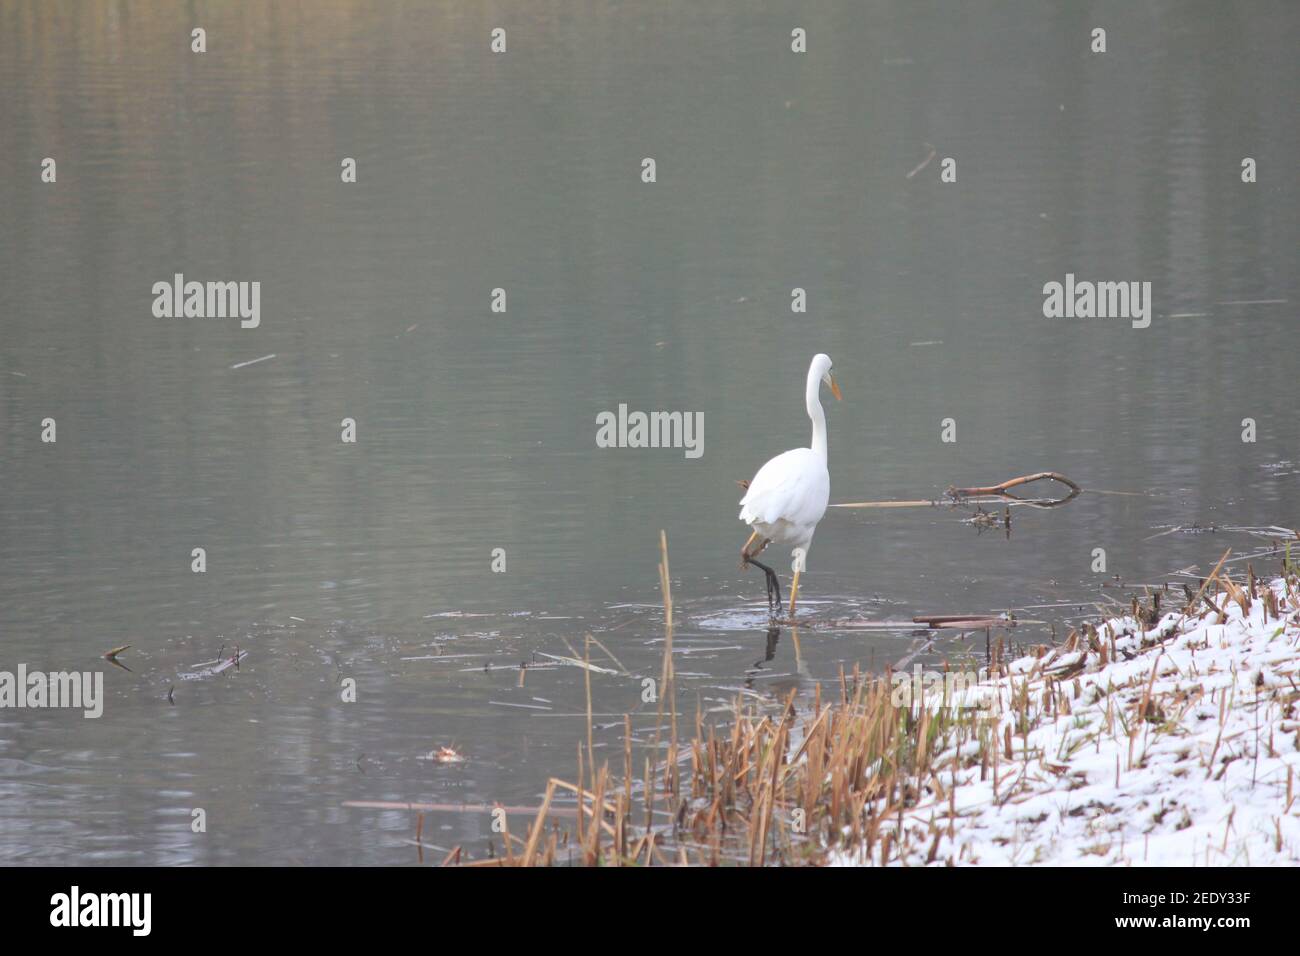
(821, 368)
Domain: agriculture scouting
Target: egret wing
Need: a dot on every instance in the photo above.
(793, 487)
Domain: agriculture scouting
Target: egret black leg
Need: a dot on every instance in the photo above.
(773, 587)
(773, 583)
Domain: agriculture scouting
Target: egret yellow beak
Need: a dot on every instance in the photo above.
(835, 389)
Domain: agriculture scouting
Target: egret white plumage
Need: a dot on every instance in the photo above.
(789, 494)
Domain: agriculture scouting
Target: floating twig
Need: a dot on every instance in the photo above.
(252, 362)
(1004, 487)
(966, 622)
(999, 494)
(925, 162)
(111, 657)
(574, 662)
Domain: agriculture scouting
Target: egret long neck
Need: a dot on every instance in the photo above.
(813, 401)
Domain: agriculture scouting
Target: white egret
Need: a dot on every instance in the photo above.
(789, 494)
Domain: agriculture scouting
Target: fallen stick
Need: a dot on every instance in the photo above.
(111, 657)
(925, 162)
(965, 623)
(886, 504)
(574, 662)
(861, 624)
(992, 494)
(213, 668)
(1002, 488)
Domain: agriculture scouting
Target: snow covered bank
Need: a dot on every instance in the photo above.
(1170, 742)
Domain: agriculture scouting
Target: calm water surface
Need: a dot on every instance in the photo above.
(372, 561)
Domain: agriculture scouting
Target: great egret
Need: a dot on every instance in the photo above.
(789, 494)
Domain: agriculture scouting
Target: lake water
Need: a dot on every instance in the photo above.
(372, 561)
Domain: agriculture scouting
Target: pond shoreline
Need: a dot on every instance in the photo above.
(1139, 742)
(1152, 738)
